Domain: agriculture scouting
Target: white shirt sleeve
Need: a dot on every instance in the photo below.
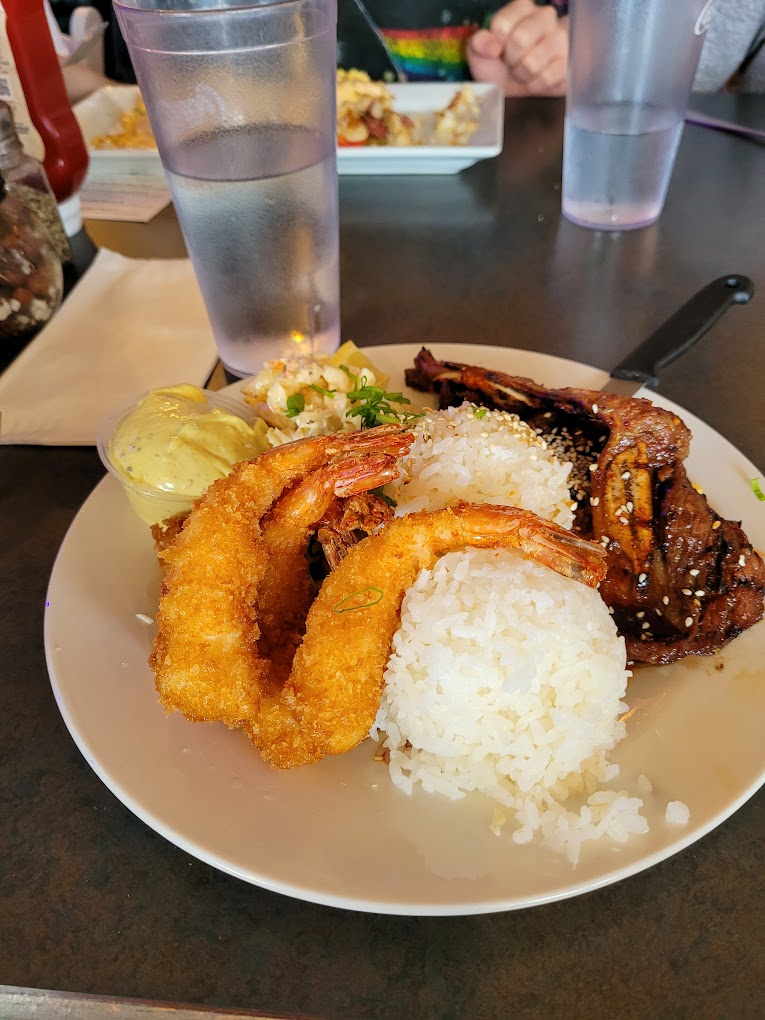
(61, 42)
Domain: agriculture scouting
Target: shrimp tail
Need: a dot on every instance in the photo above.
(485, 524)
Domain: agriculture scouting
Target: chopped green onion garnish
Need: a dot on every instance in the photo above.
(481, 412)
(374, 403)
(755, 483)
(384, 497)
(359, 600)
(320, 389)
(295, 404)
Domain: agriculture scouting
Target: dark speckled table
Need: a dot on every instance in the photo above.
(91, 900)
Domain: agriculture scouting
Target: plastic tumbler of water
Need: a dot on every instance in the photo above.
(631, 68)
(241, 99)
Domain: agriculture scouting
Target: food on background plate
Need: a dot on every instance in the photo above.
(168, 446)
(133, 132)
(681, 579)
(365, 116)
(455, 124)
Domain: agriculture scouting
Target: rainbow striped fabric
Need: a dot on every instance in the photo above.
(431, 53)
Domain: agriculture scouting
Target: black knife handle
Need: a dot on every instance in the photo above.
(683, 329)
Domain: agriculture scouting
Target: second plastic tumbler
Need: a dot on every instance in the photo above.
(241, 99)
(631, 68)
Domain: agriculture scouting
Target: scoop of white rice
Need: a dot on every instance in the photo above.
(469, 453)
(507, 678)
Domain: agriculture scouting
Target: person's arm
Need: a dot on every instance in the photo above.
(80, 80)
(524, 51)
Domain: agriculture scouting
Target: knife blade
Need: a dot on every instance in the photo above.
(678, 334)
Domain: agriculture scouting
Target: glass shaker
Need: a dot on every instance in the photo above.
(31, 278)
(26, 178)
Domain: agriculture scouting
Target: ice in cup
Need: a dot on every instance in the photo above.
(241, 99)
(631, 68)
(167, 446)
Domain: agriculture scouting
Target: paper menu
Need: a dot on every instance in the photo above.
(124, 196)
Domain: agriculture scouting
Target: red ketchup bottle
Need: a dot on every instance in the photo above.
(66, 157)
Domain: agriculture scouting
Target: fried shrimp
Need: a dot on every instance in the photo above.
(287, 590)
(330, 700)
(205, 656)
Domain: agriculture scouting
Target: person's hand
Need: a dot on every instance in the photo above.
(525, 51)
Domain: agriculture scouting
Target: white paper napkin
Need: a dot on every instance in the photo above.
(128, 326)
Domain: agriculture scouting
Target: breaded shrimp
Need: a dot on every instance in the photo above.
(332, 696)
(205, 653)
(287, 590)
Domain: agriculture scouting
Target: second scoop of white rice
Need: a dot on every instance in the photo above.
(505, 677)
(482, 456)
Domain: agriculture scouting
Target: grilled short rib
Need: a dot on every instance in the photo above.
(681, 580)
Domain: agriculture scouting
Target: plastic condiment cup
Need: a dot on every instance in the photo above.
(155, 504)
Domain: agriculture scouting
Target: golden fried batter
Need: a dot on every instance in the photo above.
(205, 655)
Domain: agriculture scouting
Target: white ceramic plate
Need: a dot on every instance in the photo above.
(100, 113)
(338, 832)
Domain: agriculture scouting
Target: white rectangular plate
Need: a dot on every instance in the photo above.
(99, 114)
(426, 97)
